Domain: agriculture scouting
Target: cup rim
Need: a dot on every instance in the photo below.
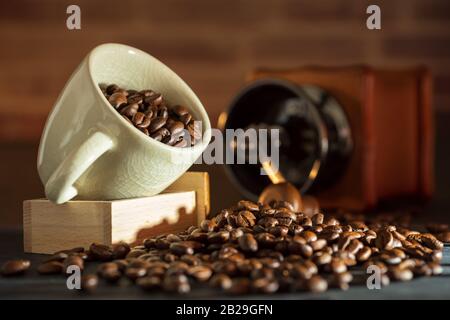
(206, 124)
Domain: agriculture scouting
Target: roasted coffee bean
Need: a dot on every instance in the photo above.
(73, 260)
(120, 250)
(134, 99)
(219, 237)
(153, 99)
(239, 286)
(175, 127)
(337, 266)
(176, 284)
(321, 258)
(200, 273)
(50, 267)
(181, 248)
(110, 89)
(363, 254)
(384, 240)
(149, 283)
(109, 271)
(400, 274)
(245, 218)
(134, 273)
(316, 284)
(208, 225)
(14, 267)
(137, 119)
(302, 249)
(318, 244)
(101, 252)
(265, 285)
(317, 218)
(89, 282)
(248, 243)
(248, 205)
(135, 253)
(279, 231)
(157, 124)
(431, 242)
(180, 110)
(221, 281)
(341, 280)
(309, 236)
(117, 99)
(185, 118)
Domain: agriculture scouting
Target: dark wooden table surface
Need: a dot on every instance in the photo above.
(34, 286)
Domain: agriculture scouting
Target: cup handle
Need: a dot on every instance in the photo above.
(60, 187)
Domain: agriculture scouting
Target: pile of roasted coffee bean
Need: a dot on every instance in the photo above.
(261, 249)
(147, 111)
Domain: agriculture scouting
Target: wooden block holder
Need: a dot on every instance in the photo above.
(49, 227)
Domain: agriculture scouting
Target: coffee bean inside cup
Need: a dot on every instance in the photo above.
(149, 112)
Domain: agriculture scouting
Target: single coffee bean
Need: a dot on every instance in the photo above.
(248, 205)
(384, 240)
(71, 261)
(117, 99)
(154, 99)
(176, 284)
(317, 218)
(316, 284)
(14, 267)
(364, 254)
(219, 237)
(239, 286)
(400, 274)
(180, 110)
(265, 285)
(89, 282)
(149, 283)
(135, 98)
(248, 243)
(200, 273)
(221, 281)
(120, 250)
(137, 119)
(175, 127)
(134, 273)
(185, 118)
(101, 252)
(431, 242)
(136, 253)
(110, 89)
(156, 124)
(50, 267)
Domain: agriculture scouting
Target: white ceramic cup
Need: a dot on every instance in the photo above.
(89, 151)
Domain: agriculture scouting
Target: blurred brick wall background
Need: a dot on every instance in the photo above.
(211, 44)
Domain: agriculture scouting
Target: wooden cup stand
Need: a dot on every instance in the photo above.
(49, 227)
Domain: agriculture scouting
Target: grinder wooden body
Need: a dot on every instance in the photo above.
(390, 115)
